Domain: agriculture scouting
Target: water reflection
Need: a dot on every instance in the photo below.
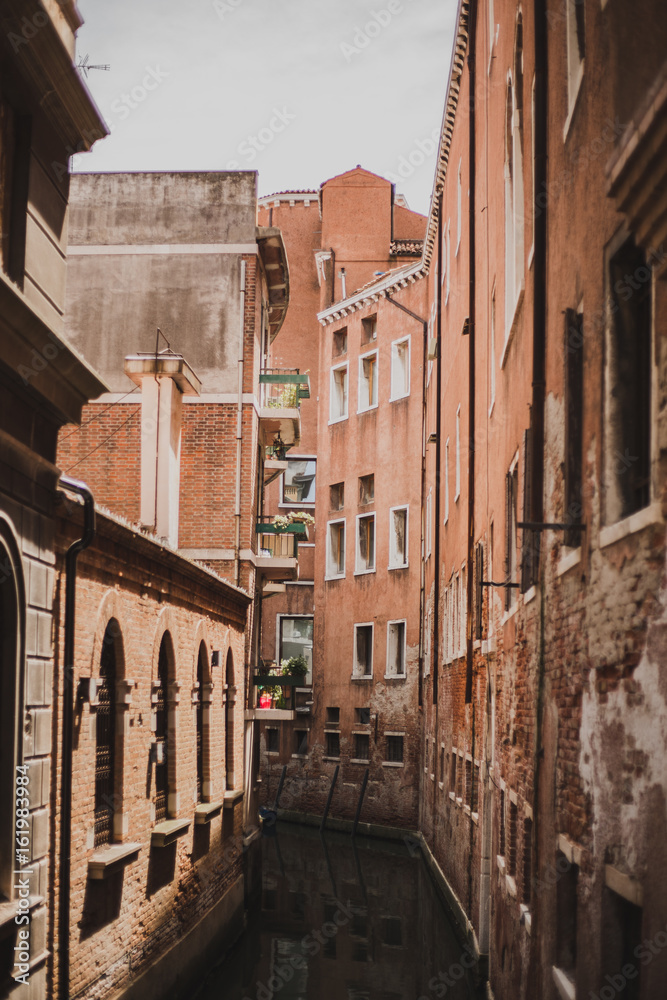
(338, 919)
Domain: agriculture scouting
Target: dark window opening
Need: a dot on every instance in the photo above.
(272, 740)
(630, 378)
(339, 342)
(363, 716)
(395, 749)
(337, 496)
(392, 932)
(333, 715)
(161, 736)
(361, 746)
(512, 831)
(301, 742)
(364, 650)
(566, 910)
(574, 416)
(332, 744)
(527, 859)
(366, 489)
(369, 330)
(201, 677)
(105, 739)
(621, 937)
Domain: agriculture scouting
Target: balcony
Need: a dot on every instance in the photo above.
(281, 392)
(279, 695)
(278, 550)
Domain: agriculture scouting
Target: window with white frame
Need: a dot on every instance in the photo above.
(514, 259)
(396, 638)
(459, 208)
(457, 482)
(299, 482)
(428, 517)
(576, 47)
(446, 480)
(446, 611)
(363, 650)
(463, 612)
(449, 263)
(492, 28)
(398, 537)
(455, 617)
(338, 393)
(295, 638)
(365, 549)
(400, 368)
(336, 549)
(368, 381)
(492, 350)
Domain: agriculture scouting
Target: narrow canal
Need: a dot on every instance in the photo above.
(338, 919)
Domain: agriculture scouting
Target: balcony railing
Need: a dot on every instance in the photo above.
(278, 549)
(283, 388)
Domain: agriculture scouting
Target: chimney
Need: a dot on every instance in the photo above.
(164, 380)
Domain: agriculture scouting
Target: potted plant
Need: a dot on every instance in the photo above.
(296, 666)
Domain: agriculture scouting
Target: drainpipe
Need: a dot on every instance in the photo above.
(67, 723)
(470, 591)
(438, 430)
(424, 324)
(538, 400)
(239, 433)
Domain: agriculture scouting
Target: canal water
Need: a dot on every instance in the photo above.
(337, 919)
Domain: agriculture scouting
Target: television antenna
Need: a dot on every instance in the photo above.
(84, 68)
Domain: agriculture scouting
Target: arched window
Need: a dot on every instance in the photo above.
(229, 720)
(162, 738)
(514, 207)
(12, 631)
(203, 688)
(105, 740)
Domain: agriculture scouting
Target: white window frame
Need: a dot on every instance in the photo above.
(393, 563)
(492, 350)
(296, 503)
(463, 610)
(459, 209)
(427, 642)
(446, 481)
(492, 32)
(308, 678)
(428, 517)
(344, 366)
(395, 345)
(362, 379)
(355, 665)
(449, 263)
(457, 481)
(357, 555)
(330, 573)
(575, 61)
(404, 653)
(514, 205)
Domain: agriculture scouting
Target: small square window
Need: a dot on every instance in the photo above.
(365, 560)
(339, 342)
(366, 489)
(272, 741)
(395, 749)
(363, 716)
(369, 330)
(337, 496)
(301, 742)
(333, 716)
(361, 746)
(332, 744)
(363, 650)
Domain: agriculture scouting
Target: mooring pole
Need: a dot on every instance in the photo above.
(330, 796)
(361, 799)
(280, 787)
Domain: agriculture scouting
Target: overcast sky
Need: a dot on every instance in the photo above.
(299, 90)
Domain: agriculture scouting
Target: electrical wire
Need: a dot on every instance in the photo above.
(109, 436)
(98, 415)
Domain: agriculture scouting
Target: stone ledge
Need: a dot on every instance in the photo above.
(164, 834)
(112, 859)
(206, 811)
(231, 798)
